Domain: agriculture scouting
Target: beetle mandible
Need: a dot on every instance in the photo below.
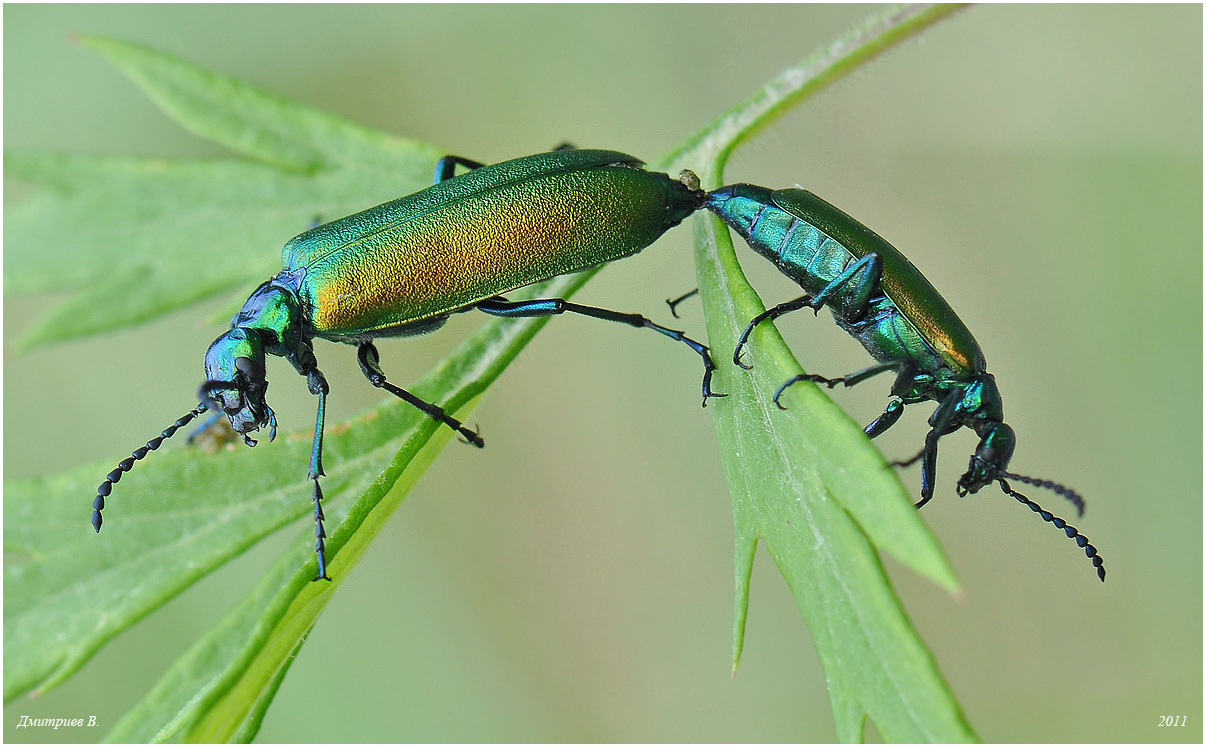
(402, 268)
(878, 297)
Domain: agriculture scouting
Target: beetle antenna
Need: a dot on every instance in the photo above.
(127, 464)
(1071, 531)
(1054, 487)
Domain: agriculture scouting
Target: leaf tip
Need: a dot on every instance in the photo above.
(86, 40)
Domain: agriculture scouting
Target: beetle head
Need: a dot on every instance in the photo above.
(988, 465)
(991, 458)
(235, 382)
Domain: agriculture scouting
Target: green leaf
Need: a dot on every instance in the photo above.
(126, 232)
(809, 484)
(255, 123)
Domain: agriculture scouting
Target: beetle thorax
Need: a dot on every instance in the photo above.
(274, 312)
(981, 403)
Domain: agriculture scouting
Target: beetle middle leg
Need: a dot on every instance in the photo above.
(850, 380)
(499, 306)
(370, 365)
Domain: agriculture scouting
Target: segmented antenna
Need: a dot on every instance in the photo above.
(1054, 487)
(1071, 531)
(127, 464)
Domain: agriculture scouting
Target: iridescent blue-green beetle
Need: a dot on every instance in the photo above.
(402, 268)
(884, 302)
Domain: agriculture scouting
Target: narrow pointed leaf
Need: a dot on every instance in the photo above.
(111, 225)
(256, 123)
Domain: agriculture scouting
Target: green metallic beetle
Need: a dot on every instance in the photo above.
(402, 268)
(883, 301)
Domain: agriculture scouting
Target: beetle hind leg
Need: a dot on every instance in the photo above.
(446, 167)
(674, 302)
(499, 306)
(803, 302)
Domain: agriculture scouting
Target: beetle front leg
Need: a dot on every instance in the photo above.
(370, 366)
(318, 386)
(942, 422)
(499, 306)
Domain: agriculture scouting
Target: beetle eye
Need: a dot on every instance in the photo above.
(229, 400)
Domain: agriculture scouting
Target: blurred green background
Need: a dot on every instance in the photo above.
(573, 581)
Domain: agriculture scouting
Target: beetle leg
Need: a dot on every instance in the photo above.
(446, 167)
(887, 419)
(852, 290)
(674, 302)
(929, 462)
(318, 386)
(857, 284)
(213, 419)
(499, 306)
(942, 422)
(804, 301)
(849, 380)
(370, 365)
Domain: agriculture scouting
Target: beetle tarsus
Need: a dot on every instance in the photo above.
(674, 302)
